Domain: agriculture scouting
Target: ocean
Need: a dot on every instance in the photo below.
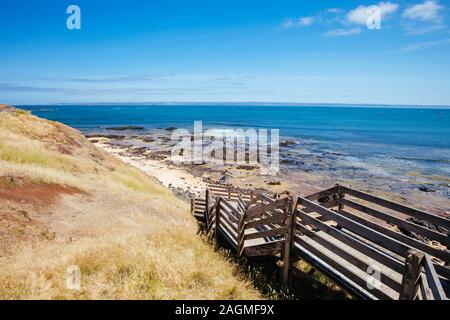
(390, 142)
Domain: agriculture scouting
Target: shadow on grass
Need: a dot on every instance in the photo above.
(266, 276)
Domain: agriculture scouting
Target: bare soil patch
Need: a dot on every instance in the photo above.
(26, 191)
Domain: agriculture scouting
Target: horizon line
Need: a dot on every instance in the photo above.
(239, 103)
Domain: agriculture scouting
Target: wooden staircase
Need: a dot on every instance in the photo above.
(346, 234)
(198, 208)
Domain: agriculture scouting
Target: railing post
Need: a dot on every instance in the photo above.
(340, 197)
(411, 276)
(207, 208)
(292, 210)
(241, 234)
(206, 200)
(216, 233)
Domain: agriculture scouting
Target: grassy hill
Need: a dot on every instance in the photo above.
(63, 202)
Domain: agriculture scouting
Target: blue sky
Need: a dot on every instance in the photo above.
(225, 51)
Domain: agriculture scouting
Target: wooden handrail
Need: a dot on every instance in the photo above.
(420, 280)
(399, 207)
(432, 234)
(318, 224)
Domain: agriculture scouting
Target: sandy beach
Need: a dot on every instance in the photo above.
(151, 154)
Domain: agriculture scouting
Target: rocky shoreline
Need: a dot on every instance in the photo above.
(303, 170)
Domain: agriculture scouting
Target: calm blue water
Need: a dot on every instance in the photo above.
(419, 137)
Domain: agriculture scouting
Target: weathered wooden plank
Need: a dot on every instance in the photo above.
(433, 280)
(266, 249)
(398, 207)
(361, 278)
(232, 229)
(368, 250)
(373, 235)
(442, 271)
(289, 238)
(266, 198)
(266, 233)
(241, 230)
(230, 240)
(232, 190)
(425, 291)
(323, 193)
(241, 203)
(229, 211)
(399, 236)
(328, 205)
(279, 217)
(217, 217)
(236, 189)
(360, 260)
(269, 214)
(333, 274)
(411, 276)
(260, 209)
(431, 234)
(232, 196)
(233, 225)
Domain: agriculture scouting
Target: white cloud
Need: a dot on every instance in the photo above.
(327, 16)
(361, 14)
(288, 23)
(427, 11)
(305, 21)
(334, 10)
(300, 22)
(343, 32)
(427, 44)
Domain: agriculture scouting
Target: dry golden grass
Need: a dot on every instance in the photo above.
(140, 242)
(136, 259)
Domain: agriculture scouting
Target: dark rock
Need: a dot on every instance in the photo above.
(148, 139)
(138, 151)
(125, 128)
(274, 183)
(288, 143)
(159, 155)
(425, 189)
(108, 136)
(246, 167)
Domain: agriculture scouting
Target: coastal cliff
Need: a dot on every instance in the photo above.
(65, 204)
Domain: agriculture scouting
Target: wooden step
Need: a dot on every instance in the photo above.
(336, 263)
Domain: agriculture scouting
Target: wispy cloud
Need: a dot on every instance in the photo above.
(327, 16)
(305, 21)
(12, 87)
(343, 32)
(427, 11)
(423, 18)
(333, 10)
(426, 44)
(113, 79)
(300, 22)
(342, 20)
(361, 14)
(132, 78)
